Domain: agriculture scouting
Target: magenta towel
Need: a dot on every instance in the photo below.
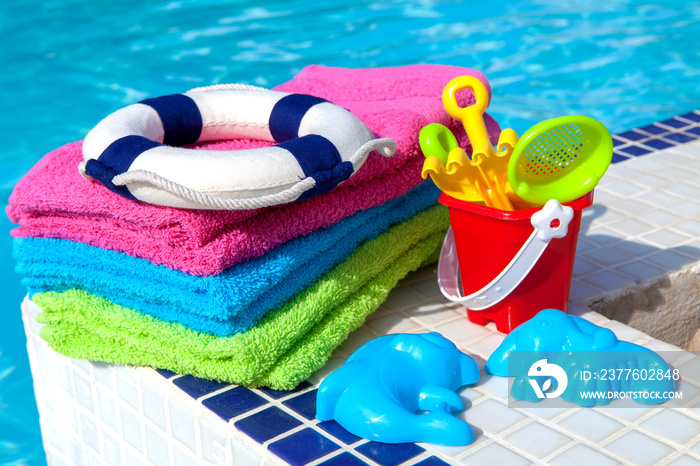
(53, 200)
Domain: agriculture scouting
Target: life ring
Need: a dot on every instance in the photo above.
(135, 151)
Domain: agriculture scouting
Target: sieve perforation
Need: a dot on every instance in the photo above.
(553, 151)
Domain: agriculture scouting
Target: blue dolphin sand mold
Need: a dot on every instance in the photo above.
(583, 359)
(380, 388)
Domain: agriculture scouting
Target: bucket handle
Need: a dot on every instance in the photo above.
(552, 221)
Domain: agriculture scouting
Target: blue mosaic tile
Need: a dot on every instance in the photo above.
(302, 447)
(388, 454)
(196, 387)
(692, 116)
(657, 144)
(277, 394)
(234, 402)
(634, 150)
(345, 459)
(674, 123)
(267, 424)
(619, 157)
(432, 461)
(304, 404)
(339, 432)
(653, 129)
(695, 130)
(166, 373)
(681, 138)
(632, 135)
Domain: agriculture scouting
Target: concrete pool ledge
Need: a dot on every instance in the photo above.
(636, 272)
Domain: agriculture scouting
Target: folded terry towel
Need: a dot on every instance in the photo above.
(392, 102)
(282, 350)
(223, 304)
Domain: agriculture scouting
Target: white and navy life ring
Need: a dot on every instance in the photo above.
(135, 151)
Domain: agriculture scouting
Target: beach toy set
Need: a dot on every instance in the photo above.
(515, 209)
(239, 243)
(403, 387)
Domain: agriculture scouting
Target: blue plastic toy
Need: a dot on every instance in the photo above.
(378, 391)
(574, 358)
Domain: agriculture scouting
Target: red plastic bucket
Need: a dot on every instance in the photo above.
(487, 239)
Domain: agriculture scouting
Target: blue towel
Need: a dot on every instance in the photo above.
(224, 304)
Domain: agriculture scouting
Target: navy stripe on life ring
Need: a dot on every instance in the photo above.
(287, 114)
(319, 159)
(116, 159)
(180, 116)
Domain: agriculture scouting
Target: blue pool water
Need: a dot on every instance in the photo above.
(67, 63)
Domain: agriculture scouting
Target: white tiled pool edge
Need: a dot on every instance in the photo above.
(95, 413)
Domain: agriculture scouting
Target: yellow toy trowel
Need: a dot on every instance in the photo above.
(484, 176)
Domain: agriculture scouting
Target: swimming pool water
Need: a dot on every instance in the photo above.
(68, 63)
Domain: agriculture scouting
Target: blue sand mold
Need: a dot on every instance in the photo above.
(372, 396)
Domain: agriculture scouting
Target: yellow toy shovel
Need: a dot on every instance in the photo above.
(485, 175)
(492, 164)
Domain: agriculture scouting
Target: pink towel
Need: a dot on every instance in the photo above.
(53, 200)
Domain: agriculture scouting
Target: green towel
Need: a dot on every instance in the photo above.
(282, 350)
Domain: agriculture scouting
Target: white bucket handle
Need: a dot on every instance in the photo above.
(552, 221)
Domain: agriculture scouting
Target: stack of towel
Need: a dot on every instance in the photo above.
(259, 297)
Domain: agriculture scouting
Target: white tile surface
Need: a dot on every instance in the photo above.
(128, 392)
(89, 432)
(107, 408)
(492, 416)
(181, 458)
(212, 439)
(496, 455)
(684, 460)
(83, 390)
(157, 447)
(112, 449)
(590, 425)
(582, 455)
(639, 449)
(182, 420)
(537, 440)
(153, 404)
(672, 426)
(131, 427)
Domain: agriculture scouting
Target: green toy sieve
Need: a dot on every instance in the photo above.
(561, 158)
